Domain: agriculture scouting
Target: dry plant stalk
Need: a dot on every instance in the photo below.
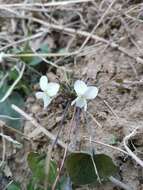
(125, 141)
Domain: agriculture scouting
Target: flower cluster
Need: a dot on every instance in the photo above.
(50, 90)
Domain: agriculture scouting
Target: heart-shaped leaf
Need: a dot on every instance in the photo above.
(80, 167)
(37, 165)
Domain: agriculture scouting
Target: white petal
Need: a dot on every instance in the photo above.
(52, 89)
(47, 100)
(39, 95)
(43, 83)
(91, 92)
(81, 102)
(85, 106)
(73, 102)
(80, 87)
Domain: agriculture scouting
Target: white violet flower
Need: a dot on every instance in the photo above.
(84, 93)
(49, 90)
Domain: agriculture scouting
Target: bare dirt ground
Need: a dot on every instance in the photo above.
(113, 63)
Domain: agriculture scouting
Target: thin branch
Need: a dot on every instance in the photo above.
(8, 138)
(95, 169)
(98, 23)
(119, 183)
(50, 62)
(60, 3)
(40, 54)
(84, 34)
(4, 148)
(107, 145)
(94, 119)
(23, 40)
(9, 91)
(125, 142)
(60, 169)
(37, 125)
(8, 185)
(111, 109)
(15, 131)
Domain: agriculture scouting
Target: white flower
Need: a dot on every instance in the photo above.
(49, 90)
(84, 93)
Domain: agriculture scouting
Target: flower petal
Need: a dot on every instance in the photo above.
(91, 92)
(43, 83)
(52, 89)
(39, 95)
(73, 102)
(80, 87)
(47, 100)
(85, 106)
(81, 102)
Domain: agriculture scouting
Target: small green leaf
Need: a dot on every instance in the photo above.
(37, 165)
(81, 169)
(14, 186)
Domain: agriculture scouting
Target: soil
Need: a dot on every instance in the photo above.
(118, 107)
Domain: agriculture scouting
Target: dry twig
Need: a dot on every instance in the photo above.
(9, 91)
(84, 34)
(107, 145)
(37, 125)
(125, 141)
(51, 4)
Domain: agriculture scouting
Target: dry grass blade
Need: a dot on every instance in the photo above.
(120, 184)
(61, 166)
(51, 4)
(23, 40)
(9, 91)
(98, 23)
(94, 119)
(125, 141)
(41, 54)
(107, 145)
(4, 148)
(84, 34)
(8, 138)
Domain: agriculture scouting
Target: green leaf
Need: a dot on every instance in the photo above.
(5, 109)
(81, 169)
(14, 186)
(37, 165)
(36, 60)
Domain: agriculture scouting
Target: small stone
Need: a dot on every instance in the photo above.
(35, 108)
